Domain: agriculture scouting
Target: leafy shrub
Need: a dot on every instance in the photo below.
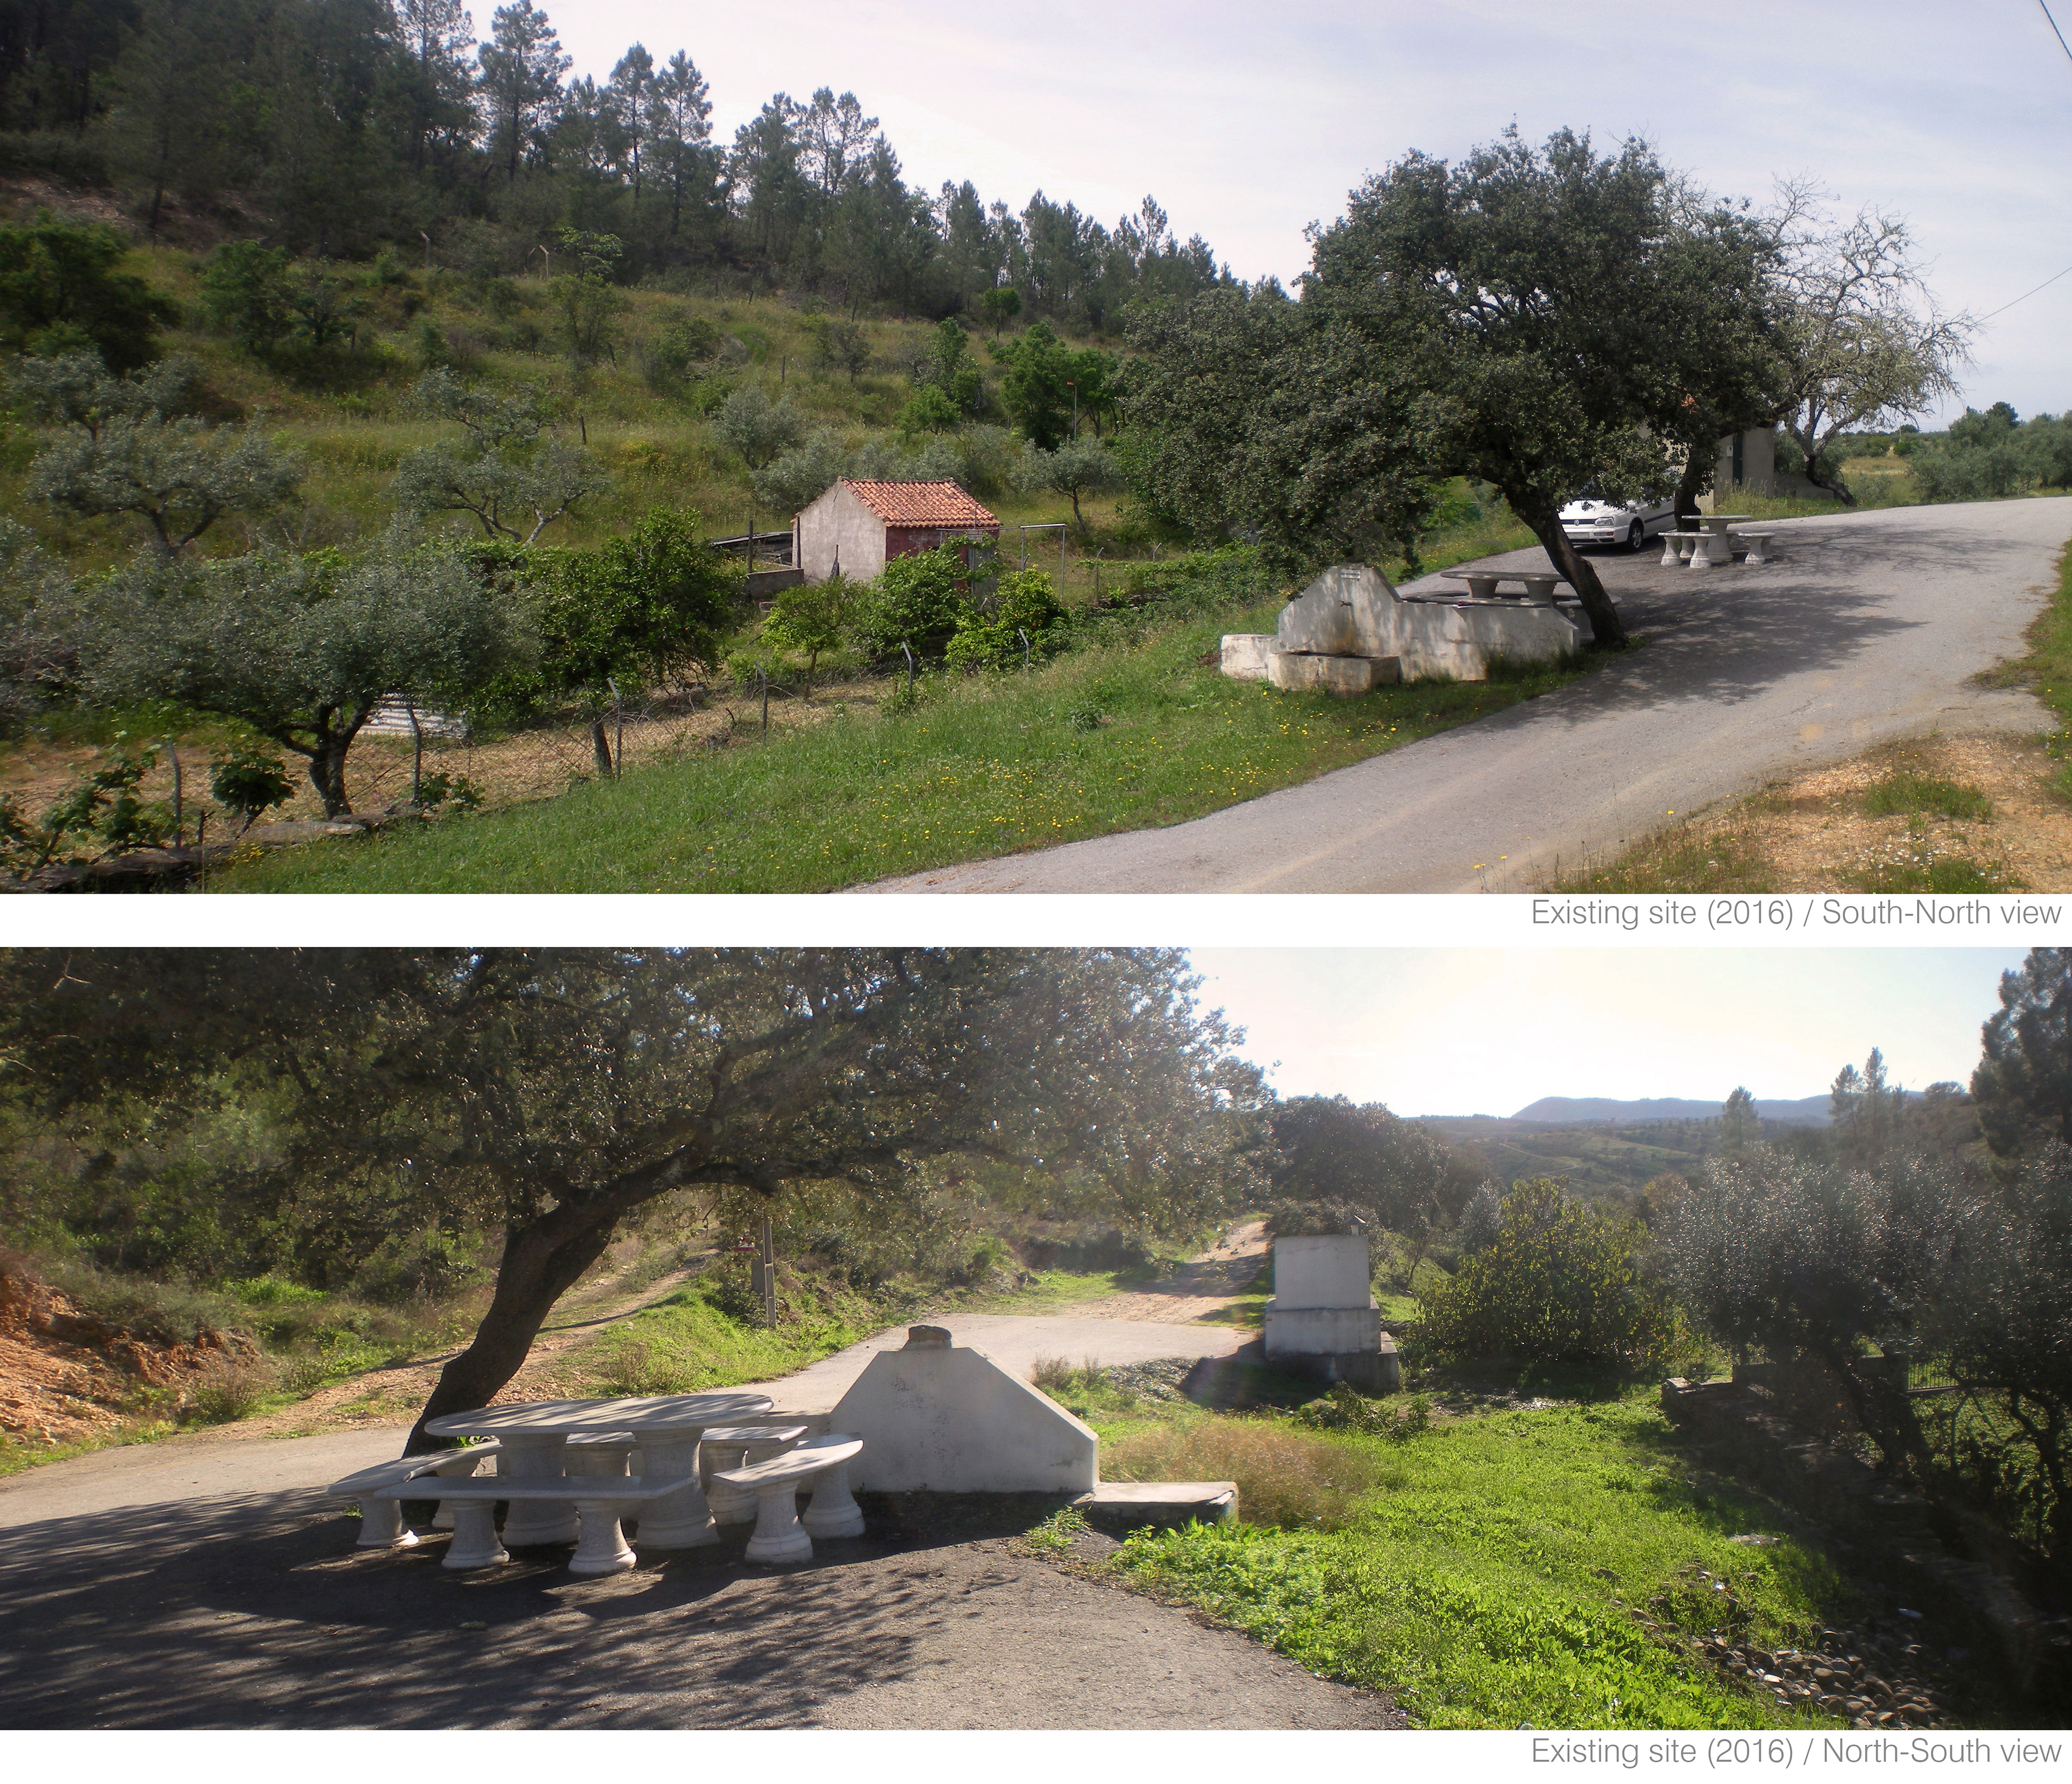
(1024, 606)
(1558, 1283)
(812, 620)
(231, 1388)
(631, 611)
(250, 782)
(273, 1291)
(1346, 1408)
(916, 600)
(1970, 474)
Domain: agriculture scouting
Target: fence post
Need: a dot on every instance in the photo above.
(1024, 637)
(179, 812)
(618, 730)
(417, 752)
(769, 1261)
(909, 665)
(762, 675)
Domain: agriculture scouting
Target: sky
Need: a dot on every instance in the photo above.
(1247, 122)
(1486, 1031)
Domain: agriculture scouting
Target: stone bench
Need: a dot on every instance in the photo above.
(1482, 585)
(780, 1534)
(381, 1524)
(1757, 543)
(732, 1446)
(601, 1546)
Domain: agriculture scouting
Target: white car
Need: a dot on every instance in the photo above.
(1588, 520)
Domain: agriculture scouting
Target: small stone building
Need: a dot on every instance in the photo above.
(1322, 1320)
(857, 525)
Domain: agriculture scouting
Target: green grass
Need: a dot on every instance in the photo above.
(683, 1344)
(2046, 670)
(1949, 874)
(1489, 1574)
(987, 767)
(1904, 791)
(16, 1456)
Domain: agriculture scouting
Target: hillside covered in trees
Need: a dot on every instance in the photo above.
(335, 128)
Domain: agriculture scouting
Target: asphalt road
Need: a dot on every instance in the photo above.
(213, 1465)
(1868, 629)
(207, 1584)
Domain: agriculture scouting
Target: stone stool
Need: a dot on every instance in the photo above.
(381, 1524)
(832, 1510)
(779, 1536)
(733, 1446)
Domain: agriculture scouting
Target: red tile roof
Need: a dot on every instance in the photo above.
(944, 504)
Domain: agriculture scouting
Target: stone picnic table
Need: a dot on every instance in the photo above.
(666, 1427)
(1717, 548)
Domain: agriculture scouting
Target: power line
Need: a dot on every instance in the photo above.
(2062, 43)
(2054, 278)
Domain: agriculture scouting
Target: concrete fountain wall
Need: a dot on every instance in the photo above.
(1350, 631)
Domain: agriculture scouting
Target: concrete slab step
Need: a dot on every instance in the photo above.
(1124, 1506)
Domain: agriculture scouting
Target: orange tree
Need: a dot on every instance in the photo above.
(1560, 1283)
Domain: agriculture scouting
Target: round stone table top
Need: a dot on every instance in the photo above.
(571, 1418)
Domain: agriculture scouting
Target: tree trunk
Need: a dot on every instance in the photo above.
(1692, 485)
(542, 1261)
(1606, 629)
(327, 773)
(1819, 477)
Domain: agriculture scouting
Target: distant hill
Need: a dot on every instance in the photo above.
(1810, 1112)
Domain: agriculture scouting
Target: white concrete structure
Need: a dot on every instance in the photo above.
(381, 1524)
(665, 1427)
(946, 1419)
(1323, 1319)
(1352, 613)
(778, 1536)
(739, 1446)
(857, 525)
(1324, 1272)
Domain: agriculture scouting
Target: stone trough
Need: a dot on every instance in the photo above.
(1349, 631)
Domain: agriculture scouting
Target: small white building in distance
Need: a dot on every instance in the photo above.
(857, 525)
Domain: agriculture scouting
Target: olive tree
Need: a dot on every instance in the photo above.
(2004, 1323)
(178, 477)
(301, 649)
(750, 424)
(1076, 468)
(551, 1093)
(500, 470)
(1865, 344)
(1799, 1256)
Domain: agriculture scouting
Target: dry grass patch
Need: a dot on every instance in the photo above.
(1290, 1478)
(1937, 814)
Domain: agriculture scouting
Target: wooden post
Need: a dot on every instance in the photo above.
(769, 1261)
(179, 817)
(417, 753)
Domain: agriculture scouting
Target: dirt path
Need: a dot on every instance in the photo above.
(395, 1393)
(1203, 1286)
